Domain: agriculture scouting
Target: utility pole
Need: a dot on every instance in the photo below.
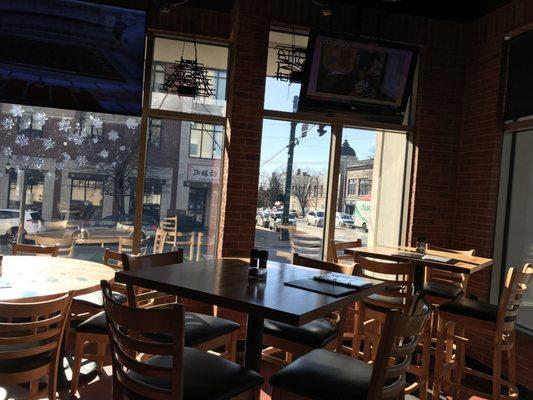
(284, 232)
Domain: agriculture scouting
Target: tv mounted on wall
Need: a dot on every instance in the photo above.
(72, 54)
(360, 74)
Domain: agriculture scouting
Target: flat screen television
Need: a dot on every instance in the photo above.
(357, 74)
(72, 54)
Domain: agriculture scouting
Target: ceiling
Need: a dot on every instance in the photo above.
(452, 10)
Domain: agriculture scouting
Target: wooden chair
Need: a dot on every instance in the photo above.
(441, 286)
(297, 341)
(18, 249)
(371, 314)
(170, 226)
(336, 246)
(31, 333)
(168, 370)
(497, 322)
(94, 329)
(202, 331)
(65, 246)
(125, 245)
(159, 241)
(327, 375)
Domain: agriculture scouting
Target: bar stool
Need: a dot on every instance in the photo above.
(497, 322)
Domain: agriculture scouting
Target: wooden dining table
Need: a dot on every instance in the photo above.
(459, 262)
(225, 283)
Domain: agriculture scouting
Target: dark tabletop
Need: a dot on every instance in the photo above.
(224, 282)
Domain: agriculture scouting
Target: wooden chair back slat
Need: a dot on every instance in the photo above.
(398, 275)
(20, 249)
(336, 246)
(451, 278)
(516, 284)
(398, 341)
(127, 329)
(113, 259)
(65, 246)
(316, 264)
(159, 241)
(131, 263)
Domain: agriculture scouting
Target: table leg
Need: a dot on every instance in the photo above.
(419, 277)
(254, 342)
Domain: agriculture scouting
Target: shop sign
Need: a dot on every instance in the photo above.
(202, 173)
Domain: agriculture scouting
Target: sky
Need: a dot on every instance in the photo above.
(312, 151)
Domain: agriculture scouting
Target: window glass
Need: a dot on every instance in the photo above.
(79, 172)
(183, 186)
(280, 94)
(301, 229)
(154, 133)
(366, 211)
(215, 60)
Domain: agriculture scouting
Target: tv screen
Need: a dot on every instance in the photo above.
(357, 74)
(72, 54)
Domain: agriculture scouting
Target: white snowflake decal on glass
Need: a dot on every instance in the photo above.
(95, 122)
(60, 166)
(132, 123)
(122, 148)
(40, 118)
(113, 164)
(112, 135)
(48, 143)
(81, 161)
(64, 124)
(65, 156)
(25, 159)
(95, 140)
(16, 110)
(39, 162)
(7, 151)
(49, 174)
(76, 139)
(21, 140)
(8, 123)
(104, 154)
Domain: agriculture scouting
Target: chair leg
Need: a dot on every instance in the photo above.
(358, 329)
(76, 367)
(34, 389)
(511, 361)
(277, 393)
(231, 348)
(439, 357)
(497, 370)
(288, 357)
(426, 359)
(100, 355)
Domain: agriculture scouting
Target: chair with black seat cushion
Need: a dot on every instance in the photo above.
(202, 331)
(167, 370)
(371, 314)
(31, 332)
(345, 259)
(441, 285)
(325, 375)
(298, 340)
(496, 322)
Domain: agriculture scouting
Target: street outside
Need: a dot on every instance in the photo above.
(305, 240)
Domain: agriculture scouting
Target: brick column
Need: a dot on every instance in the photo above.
(243, 134)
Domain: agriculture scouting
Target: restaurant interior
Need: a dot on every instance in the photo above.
(249, 199)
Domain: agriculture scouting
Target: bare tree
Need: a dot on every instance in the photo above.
(302, 188)
(270, 188)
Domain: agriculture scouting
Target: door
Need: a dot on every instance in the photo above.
(196, 206)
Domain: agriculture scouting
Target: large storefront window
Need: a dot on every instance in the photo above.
(76, 174)
(183, 185)
(214, 58)
(299, 151)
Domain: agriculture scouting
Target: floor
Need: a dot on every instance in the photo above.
(100, 387)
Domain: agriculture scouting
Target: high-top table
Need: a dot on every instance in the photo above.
(461, 263)
(37, 276)
(224, 282)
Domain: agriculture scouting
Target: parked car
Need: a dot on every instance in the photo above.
(343, 220)
(315, 218)
(263, 219)
(9, 223)
(112, 226)
(276, 220)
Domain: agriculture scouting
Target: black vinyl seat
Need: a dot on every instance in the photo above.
(324, 375)
(471, 308)
(314, 334)
(441, 290)
(13, 366)
(95, 299)
(205, 377)
(384, 299)
(199, 328)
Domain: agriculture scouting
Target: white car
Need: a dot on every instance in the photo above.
(9, 223)
(343, 220)
(315, 218)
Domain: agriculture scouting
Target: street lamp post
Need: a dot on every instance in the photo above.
(284, 233)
